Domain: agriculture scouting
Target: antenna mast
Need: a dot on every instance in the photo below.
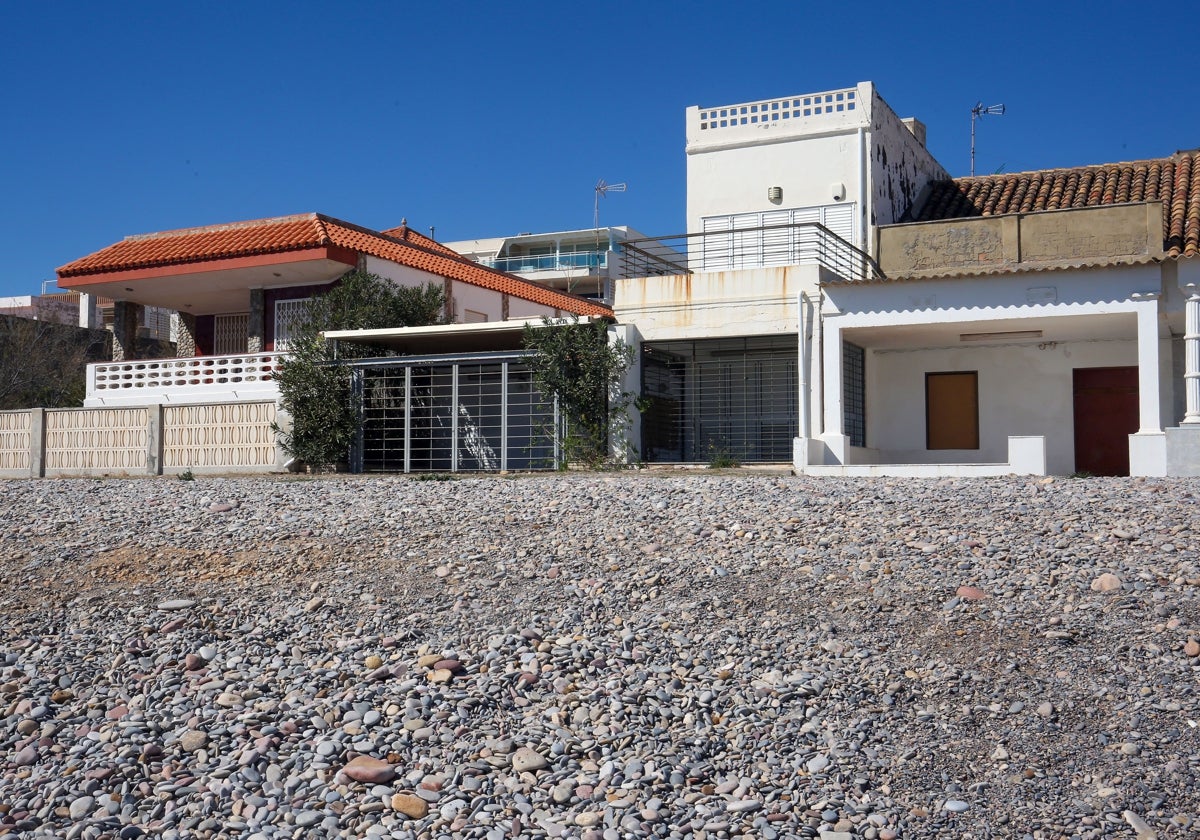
(978, 112)
(603, 188)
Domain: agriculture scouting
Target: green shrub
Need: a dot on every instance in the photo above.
(577, 363)
(315, 385)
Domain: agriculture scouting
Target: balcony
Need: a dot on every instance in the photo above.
(801, 243)
(532, 263)
(200, 379)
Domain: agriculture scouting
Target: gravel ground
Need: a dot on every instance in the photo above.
(600, 656)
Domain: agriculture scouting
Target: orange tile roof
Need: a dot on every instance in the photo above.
(313, 230)
(1175, 181)
(409, 235)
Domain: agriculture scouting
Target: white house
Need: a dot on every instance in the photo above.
(1034, 322)
(781, 194)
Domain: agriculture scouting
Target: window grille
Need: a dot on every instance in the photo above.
(288, 314)
(229, 333)
(477, 415)
(854, 393)
(734, 398)
(750, 240)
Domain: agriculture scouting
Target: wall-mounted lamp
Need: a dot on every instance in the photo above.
(775, 195)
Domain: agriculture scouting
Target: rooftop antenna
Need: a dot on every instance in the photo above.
(978, 112)
(603, 188)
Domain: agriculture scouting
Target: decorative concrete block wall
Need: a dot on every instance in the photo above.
(144, 440)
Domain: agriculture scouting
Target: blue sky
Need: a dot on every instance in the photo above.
(485, 119)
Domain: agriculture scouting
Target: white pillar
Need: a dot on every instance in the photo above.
(1148, 447)
(1149, 413)
(833, 434)
(1191, 350)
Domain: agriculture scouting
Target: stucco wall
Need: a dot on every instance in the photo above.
(735, 180)
(1023, 390)
(521, 308)
(466, 296)
(714, 304)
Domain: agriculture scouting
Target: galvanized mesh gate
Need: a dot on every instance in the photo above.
(456, 413)
(735, 398)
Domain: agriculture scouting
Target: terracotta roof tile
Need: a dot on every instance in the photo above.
(1175, 181)
(313, 230)
(409, 235)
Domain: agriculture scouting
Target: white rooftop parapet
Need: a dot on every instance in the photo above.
(771, 119)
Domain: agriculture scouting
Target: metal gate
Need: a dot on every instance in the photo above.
(735, 398)
(457, 413)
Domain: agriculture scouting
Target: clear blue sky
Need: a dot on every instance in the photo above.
(485, 119)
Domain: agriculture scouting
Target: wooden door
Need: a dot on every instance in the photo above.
(1106, 414)
(952, 410)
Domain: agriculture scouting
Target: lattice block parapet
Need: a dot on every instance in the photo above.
(198, 371)
(15, 429)
(97, 439)
(775, 110)
(237, 435)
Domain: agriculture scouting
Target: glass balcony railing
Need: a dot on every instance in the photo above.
(528, 263)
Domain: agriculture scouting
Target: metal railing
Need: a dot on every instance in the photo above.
(549, 262)
(803, 243)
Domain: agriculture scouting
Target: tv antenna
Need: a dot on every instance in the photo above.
(979, 112)
(603, 188)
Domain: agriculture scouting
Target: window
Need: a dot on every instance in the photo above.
(287, 314)
(952, 410)
(470, 316)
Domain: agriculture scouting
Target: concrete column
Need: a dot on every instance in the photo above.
(37, 443)
(256, 326)
(89, 315)
(833, 433)
(154, 440)
(625, 432)
(1148, 447)
(185, 341)
(1149, 409)
(126, 317)
(1191, 350)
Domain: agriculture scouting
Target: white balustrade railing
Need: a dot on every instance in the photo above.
(191, 380)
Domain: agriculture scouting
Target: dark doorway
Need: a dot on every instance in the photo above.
(1106, 414)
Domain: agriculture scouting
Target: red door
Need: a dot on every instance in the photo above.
(1106, 414)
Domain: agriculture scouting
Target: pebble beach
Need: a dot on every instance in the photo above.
(670, 654)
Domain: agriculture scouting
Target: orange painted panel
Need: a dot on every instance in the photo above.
(952, 410)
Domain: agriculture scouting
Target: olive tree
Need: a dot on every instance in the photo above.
(577, 363)
(314, 386)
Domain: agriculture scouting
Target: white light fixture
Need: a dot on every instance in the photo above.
(775, 194)
(1000, 336)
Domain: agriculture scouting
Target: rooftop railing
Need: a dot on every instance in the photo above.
(804, 243)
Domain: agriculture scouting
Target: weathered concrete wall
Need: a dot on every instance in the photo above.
(1083, 235)
(900, 165)
(714, 304)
